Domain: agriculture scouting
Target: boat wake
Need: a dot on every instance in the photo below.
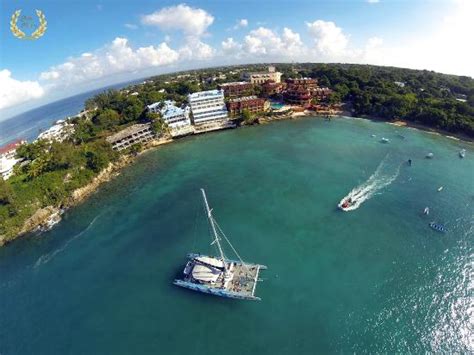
(382, 177)
(43, 259)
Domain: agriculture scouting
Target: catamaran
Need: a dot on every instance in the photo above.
(220, 276)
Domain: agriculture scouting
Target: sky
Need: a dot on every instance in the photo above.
(94, 43)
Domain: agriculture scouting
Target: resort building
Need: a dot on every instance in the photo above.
(302, 91)
(322, 93)
(252, 104)
(177, 118)
(60, 131)
(8, 158)
(135, 134)
(270, 88)
(298, 95)
(237, 89)
(262, 77)
(173, 115)
(207, 106)
(307, 83)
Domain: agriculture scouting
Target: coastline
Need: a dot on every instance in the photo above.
(45, 218)
(408, 124)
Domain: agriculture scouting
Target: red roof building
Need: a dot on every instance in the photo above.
(237, 89)
(252, 104)
(303, 91)
(10, 148)
(271, 88)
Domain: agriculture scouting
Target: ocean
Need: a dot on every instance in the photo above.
(376, 279)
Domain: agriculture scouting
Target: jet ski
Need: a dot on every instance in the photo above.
(346, 204)
(437, 227)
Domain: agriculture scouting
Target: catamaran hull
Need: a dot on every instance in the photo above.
(214, 291)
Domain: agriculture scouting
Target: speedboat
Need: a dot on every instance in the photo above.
(440, 188)
(437, 227)
(462, 153)
(429, 156)
(384, 140)
(426, 211)
(346, 204)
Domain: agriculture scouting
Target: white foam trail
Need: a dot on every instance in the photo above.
(43, 259)
(377, 181)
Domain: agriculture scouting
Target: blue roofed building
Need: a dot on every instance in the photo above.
(177, 118)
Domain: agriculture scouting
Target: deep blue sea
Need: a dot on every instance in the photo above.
(374, 280)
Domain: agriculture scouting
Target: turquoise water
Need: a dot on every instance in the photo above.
(276, 105)
(377, 279)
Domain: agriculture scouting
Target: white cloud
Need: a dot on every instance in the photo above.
(264, 42)
(230, 47)
(329, 40)
(114, 58)
(14, 92)
(241, 24)
(447, 49)
(131, 26)
(192, 21)
(195, 49)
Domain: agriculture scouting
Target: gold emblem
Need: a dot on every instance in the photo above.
(27, 22)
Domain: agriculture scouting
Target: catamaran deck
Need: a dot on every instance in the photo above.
(244, 278)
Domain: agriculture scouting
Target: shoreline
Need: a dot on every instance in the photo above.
(44, 219)
(421, 127)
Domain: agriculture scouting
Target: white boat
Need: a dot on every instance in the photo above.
(384, 140)
(440, 188)
(429, 156)
(426, 211)
(462, 153)
(220, 276)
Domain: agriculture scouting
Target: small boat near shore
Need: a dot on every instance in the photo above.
(220, 276)
(462, 153)
(429, 156)
(384, 140)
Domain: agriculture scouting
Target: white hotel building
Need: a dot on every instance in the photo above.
(208, 106)
(173, 115)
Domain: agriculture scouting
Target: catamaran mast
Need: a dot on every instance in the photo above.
(211, 221)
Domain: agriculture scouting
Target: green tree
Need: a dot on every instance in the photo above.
(84, 131)
(38, 167)
(107, 118)
(6, 193)
(31, 151)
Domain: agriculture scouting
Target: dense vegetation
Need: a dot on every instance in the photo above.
(51, 171)
(419, 96)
